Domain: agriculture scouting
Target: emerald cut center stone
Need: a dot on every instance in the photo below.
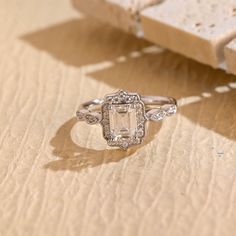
(123, 120)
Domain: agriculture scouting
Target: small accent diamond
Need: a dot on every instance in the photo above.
(81, 114)
(171, 110)
(157, 115)
(92, 118)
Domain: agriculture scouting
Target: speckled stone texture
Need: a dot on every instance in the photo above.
(196, 29)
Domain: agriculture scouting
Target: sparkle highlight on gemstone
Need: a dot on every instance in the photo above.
(123, 119)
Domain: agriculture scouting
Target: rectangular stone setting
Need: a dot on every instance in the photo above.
(123, 121)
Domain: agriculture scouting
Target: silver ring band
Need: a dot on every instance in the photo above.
(148, 100)
(126, 109)
(153, 104)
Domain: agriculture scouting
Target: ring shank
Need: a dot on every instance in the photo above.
(158, 100)
(149, 101)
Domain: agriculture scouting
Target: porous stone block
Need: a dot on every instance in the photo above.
(196, 29)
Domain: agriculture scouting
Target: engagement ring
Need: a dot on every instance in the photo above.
(123, 115)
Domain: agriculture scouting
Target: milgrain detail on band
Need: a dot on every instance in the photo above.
(90, 117)
(123, 115)
(162, 112)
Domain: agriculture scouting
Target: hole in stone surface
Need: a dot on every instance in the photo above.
(198, 24)
(212, 25)
(234, 11)
(213, 6)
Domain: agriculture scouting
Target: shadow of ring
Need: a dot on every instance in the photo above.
(76, 158)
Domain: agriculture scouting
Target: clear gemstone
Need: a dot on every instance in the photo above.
(157, 115)
(124, 145)
(123, 121)
(81, 114)
(171, 110)
(92, 118)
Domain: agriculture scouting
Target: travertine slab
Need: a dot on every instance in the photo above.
(122, 14)
(230, 56)
(196, 29)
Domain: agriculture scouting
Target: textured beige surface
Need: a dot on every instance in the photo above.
(182, 181)
(230, 56)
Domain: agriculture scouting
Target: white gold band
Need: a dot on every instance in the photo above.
(156, 107)
(123, 115)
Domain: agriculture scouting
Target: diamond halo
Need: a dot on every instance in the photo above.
(123, 119)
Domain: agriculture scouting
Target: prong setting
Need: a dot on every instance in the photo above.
(123, 119)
